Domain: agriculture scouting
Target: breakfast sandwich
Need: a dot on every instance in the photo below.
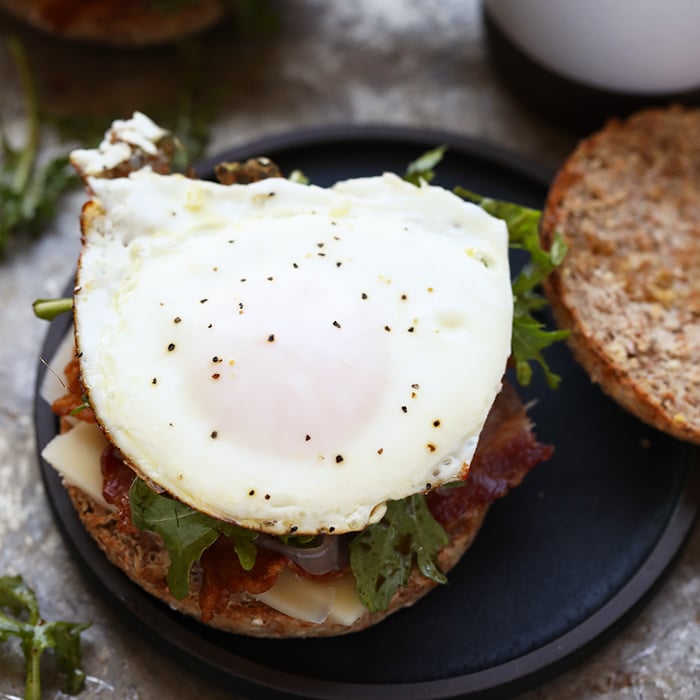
(284, 409)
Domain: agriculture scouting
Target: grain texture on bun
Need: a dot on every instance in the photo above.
(627, 203)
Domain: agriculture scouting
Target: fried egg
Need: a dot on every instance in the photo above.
(290, 357)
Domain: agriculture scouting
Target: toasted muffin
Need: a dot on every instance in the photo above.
(117, 22)
(627, 203)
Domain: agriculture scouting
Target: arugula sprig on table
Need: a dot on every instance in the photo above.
(20, 618)
(28, 191)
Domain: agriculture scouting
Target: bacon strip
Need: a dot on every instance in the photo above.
(73, 398)
(507, 451)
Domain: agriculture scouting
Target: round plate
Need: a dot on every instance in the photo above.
(559, 564)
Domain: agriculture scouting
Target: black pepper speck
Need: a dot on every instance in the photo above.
(171, 347)
(271, 338)
(214, 434)
(338, 459)
(177, 319)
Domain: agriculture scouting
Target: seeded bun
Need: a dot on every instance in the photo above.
(117, 22)
(627, 203)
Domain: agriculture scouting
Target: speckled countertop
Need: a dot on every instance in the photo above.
(407, 62)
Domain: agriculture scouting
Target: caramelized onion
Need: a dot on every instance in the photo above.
(329, 555)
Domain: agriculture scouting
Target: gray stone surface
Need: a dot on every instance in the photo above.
(407, 62)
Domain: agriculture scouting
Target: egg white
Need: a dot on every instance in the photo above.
(289, 357)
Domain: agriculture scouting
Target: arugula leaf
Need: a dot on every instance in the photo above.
(382, 555)
(530, 335)
(422, 167)
(48, 309)
(28, 194)
(186, 533)
(22, 619)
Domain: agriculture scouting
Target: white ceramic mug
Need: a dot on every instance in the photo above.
(624, 46)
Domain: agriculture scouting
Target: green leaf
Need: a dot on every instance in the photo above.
(65, 639)
(28, 194)
(422, 169)
(18, 598)
(186, 533)
(48, 309)
(299, 177)
(382, 555)
(24, 621)
(530, 335)
(46, 188)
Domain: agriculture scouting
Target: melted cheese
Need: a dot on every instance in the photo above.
(76, 456)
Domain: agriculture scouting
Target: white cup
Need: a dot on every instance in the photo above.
(624, 46)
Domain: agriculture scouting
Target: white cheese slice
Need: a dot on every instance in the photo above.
(304, 599)
(76, 456)
(297, 597)
(346, 606)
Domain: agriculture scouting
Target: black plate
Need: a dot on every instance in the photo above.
(558, 566)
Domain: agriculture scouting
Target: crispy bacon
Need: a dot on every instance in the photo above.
(116, 480)
(223, 575)
(73, 398)
(507, 451)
